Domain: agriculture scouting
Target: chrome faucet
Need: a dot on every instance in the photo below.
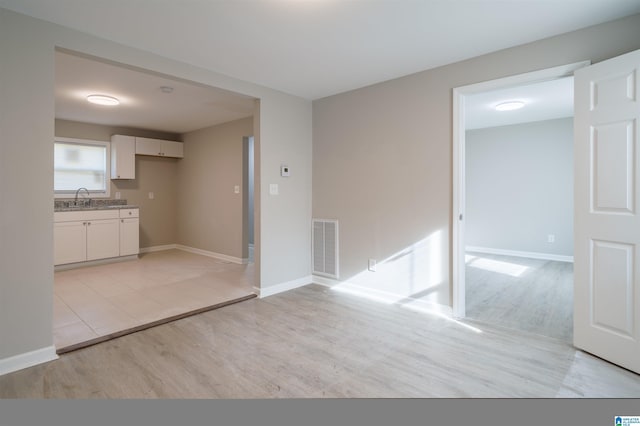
(75, 201)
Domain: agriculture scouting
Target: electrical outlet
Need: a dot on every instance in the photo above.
(551, 238)
(236, 189)
(372, 265)
(118, 195)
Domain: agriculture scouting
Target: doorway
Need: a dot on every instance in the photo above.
(248, 191)
(504, 264)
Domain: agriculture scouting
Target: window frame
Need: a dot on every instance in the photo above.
(93, 194)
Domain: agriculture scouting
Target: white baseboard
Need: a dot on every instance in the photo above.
(26, 360)
(153, 249)
(282, 287)
(215, 255)
(379, 295)
(194, 250)
(515, 253)
(68, 266)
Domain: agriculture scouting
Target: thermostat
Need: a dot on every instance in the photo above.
(284, 171)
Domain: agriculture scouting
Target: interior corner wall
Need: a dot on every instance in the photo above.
(26, 187)
(382, 159)
(284, 261)
(158, 216)
(519, 187)
(210, 213)
(27, 112)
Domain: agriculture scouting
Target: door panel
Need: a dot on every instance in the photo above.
(612, 152)
(612, 291)
(607, 226)
(70, 242)
(103, 239)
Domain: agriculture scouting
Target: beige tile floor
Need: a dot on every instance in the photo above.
(96, 301)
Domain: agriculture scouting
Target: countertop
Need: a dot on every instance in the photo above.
(81, 209)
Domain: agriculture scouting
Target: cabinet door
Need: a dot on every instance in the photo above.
(123, 157)
(146, 146)
(172, 149)
(70, 242)
(103, 239)
(129, 236)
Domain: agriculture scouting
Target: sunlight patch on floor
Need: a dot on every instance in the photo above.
(416, 305)
(507, 268)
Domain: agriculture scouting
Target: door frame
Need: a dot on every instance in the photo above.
(459, 120)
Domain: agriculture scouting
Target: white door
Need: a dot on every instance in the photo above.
(146, 146)
(129, 236)
(607, 225)
(103, 239)
(70, 242)
(172, 149)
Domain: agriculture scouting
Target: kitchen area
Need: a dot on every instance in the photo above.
(151, 205)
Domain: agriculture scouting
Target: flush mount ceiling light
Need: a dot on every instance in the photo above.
(103, 100)
(509, 105)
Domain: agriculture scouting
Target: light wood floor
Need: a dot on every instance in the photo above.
(95, 302)
(526, 294)
(314, 342)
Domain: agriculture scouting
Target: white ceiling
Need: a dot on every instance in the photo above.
(142, 103)
(543, 101)
(316, 48)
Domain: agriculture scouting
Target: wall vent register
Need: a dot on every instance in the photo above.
(325, 247)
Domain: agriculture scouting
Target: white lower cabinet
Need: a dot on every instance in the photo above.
(129, 232)
(70, 242)
(81, 236)
(103, 240)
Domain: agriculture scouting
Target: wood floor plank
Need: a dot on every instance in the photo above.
(526, 294)
(314, 342)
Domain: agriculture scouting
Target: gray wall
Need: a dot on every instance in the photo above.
(519, 187)
(382, 158)
(26, 182)
(282, 132)
(209, 212)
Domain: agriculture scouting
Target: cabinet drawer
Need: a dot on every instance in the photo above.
(85, 215)
(129, 213)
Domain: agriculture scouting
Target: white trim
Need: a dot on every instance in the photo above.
(153, 249)
(424, 305)
(194, 250)
(215, 255)
(28, 359)
(457, 221)
(67, 266)
(516, 253)
(457, 224)
(282, 287)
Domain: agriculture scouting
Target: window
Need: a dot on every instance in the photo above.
(80, 163)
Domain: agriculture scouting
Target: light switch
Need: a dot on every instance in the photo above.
(236, 189)
(273, 189)
(151, 196)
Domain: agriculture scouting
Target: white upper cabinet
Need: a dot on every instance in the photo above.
(159, 148)
(172, 149)
(123, 157)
